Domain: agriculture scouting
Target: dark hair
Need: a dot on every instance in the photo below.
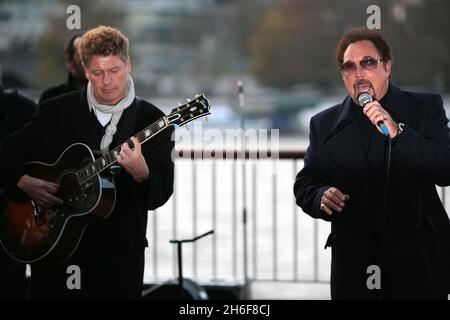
(361, 34)
(69, 49)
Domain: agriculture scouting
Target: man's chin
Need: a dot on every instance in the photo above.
(109, 99)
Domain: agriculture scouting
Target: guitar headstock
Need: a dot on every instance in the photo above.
(193, 109)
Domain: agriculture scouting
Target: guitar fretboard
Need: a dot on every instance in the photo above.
(109, 158)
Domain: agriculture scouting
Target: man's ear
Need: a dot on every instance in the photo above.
(388, 66)
(129, 65)
(68, 63)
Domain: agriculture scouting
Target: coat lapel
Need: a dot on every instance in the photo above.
(396, 105)
(344, 142)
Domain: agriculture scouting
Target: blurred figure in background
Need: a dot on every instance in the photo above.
(76, 78)
(15, 111)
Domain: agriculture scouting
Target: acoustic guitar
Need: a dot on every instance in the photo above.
(48, 236)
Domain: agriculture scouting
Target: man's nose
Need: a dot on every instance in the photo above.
(107, 79)
(359, 72)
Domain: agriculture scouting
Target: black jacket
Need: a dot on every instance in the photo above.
(111, 252)
(15, 111)
(416, 233)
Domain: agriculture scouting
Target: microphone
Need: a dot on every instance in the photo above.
(363, 99)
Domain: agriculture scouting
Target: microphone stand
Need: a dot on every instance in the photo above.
(179, 244)
(384, 216)
(244, 295)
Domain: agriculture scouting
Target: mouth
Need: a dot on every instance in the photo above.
(361, 86)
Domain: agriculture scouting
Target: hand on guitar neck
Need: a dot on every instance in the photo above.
(133, 161)
(40, 190)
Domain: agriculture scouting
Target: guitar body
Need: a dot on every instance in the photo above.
(45, 236)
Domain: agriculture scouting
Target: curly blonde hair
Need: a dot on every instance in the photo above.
(103, 41)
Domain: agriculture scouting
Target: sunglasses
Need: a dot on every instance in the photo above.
(368, 63)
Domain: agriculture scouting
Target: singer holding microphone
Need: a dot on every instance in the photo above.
(371, 169)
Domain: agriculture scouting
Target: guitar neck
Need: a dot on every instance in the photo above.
(109, 158)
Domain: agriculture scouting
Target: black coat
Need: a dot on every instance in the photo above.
(111, 252)
(416, 233)
(15, 111)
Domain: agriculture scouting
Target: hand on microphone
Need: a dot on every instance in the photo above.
(375, 112)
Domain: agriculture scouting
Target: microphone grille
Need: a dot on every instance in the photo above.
(364, 98)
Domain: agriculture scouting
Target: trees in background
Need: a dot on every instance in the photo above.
(282, 43)
(293, 41)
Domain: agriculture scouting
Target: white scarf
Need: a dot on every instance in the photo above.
(115, 110)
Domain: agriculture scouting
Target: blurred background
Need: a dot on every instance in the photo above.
(283, 51)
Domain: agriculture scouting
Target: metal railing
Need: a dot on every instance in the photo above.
(284, 243)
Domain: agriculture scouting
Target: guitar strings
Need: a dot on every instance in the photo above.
(154, 128)
(73, 179)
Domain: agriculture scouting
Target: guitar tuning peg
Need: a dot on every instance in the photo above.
(197, 95)
(179, 104)
(206, 118)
